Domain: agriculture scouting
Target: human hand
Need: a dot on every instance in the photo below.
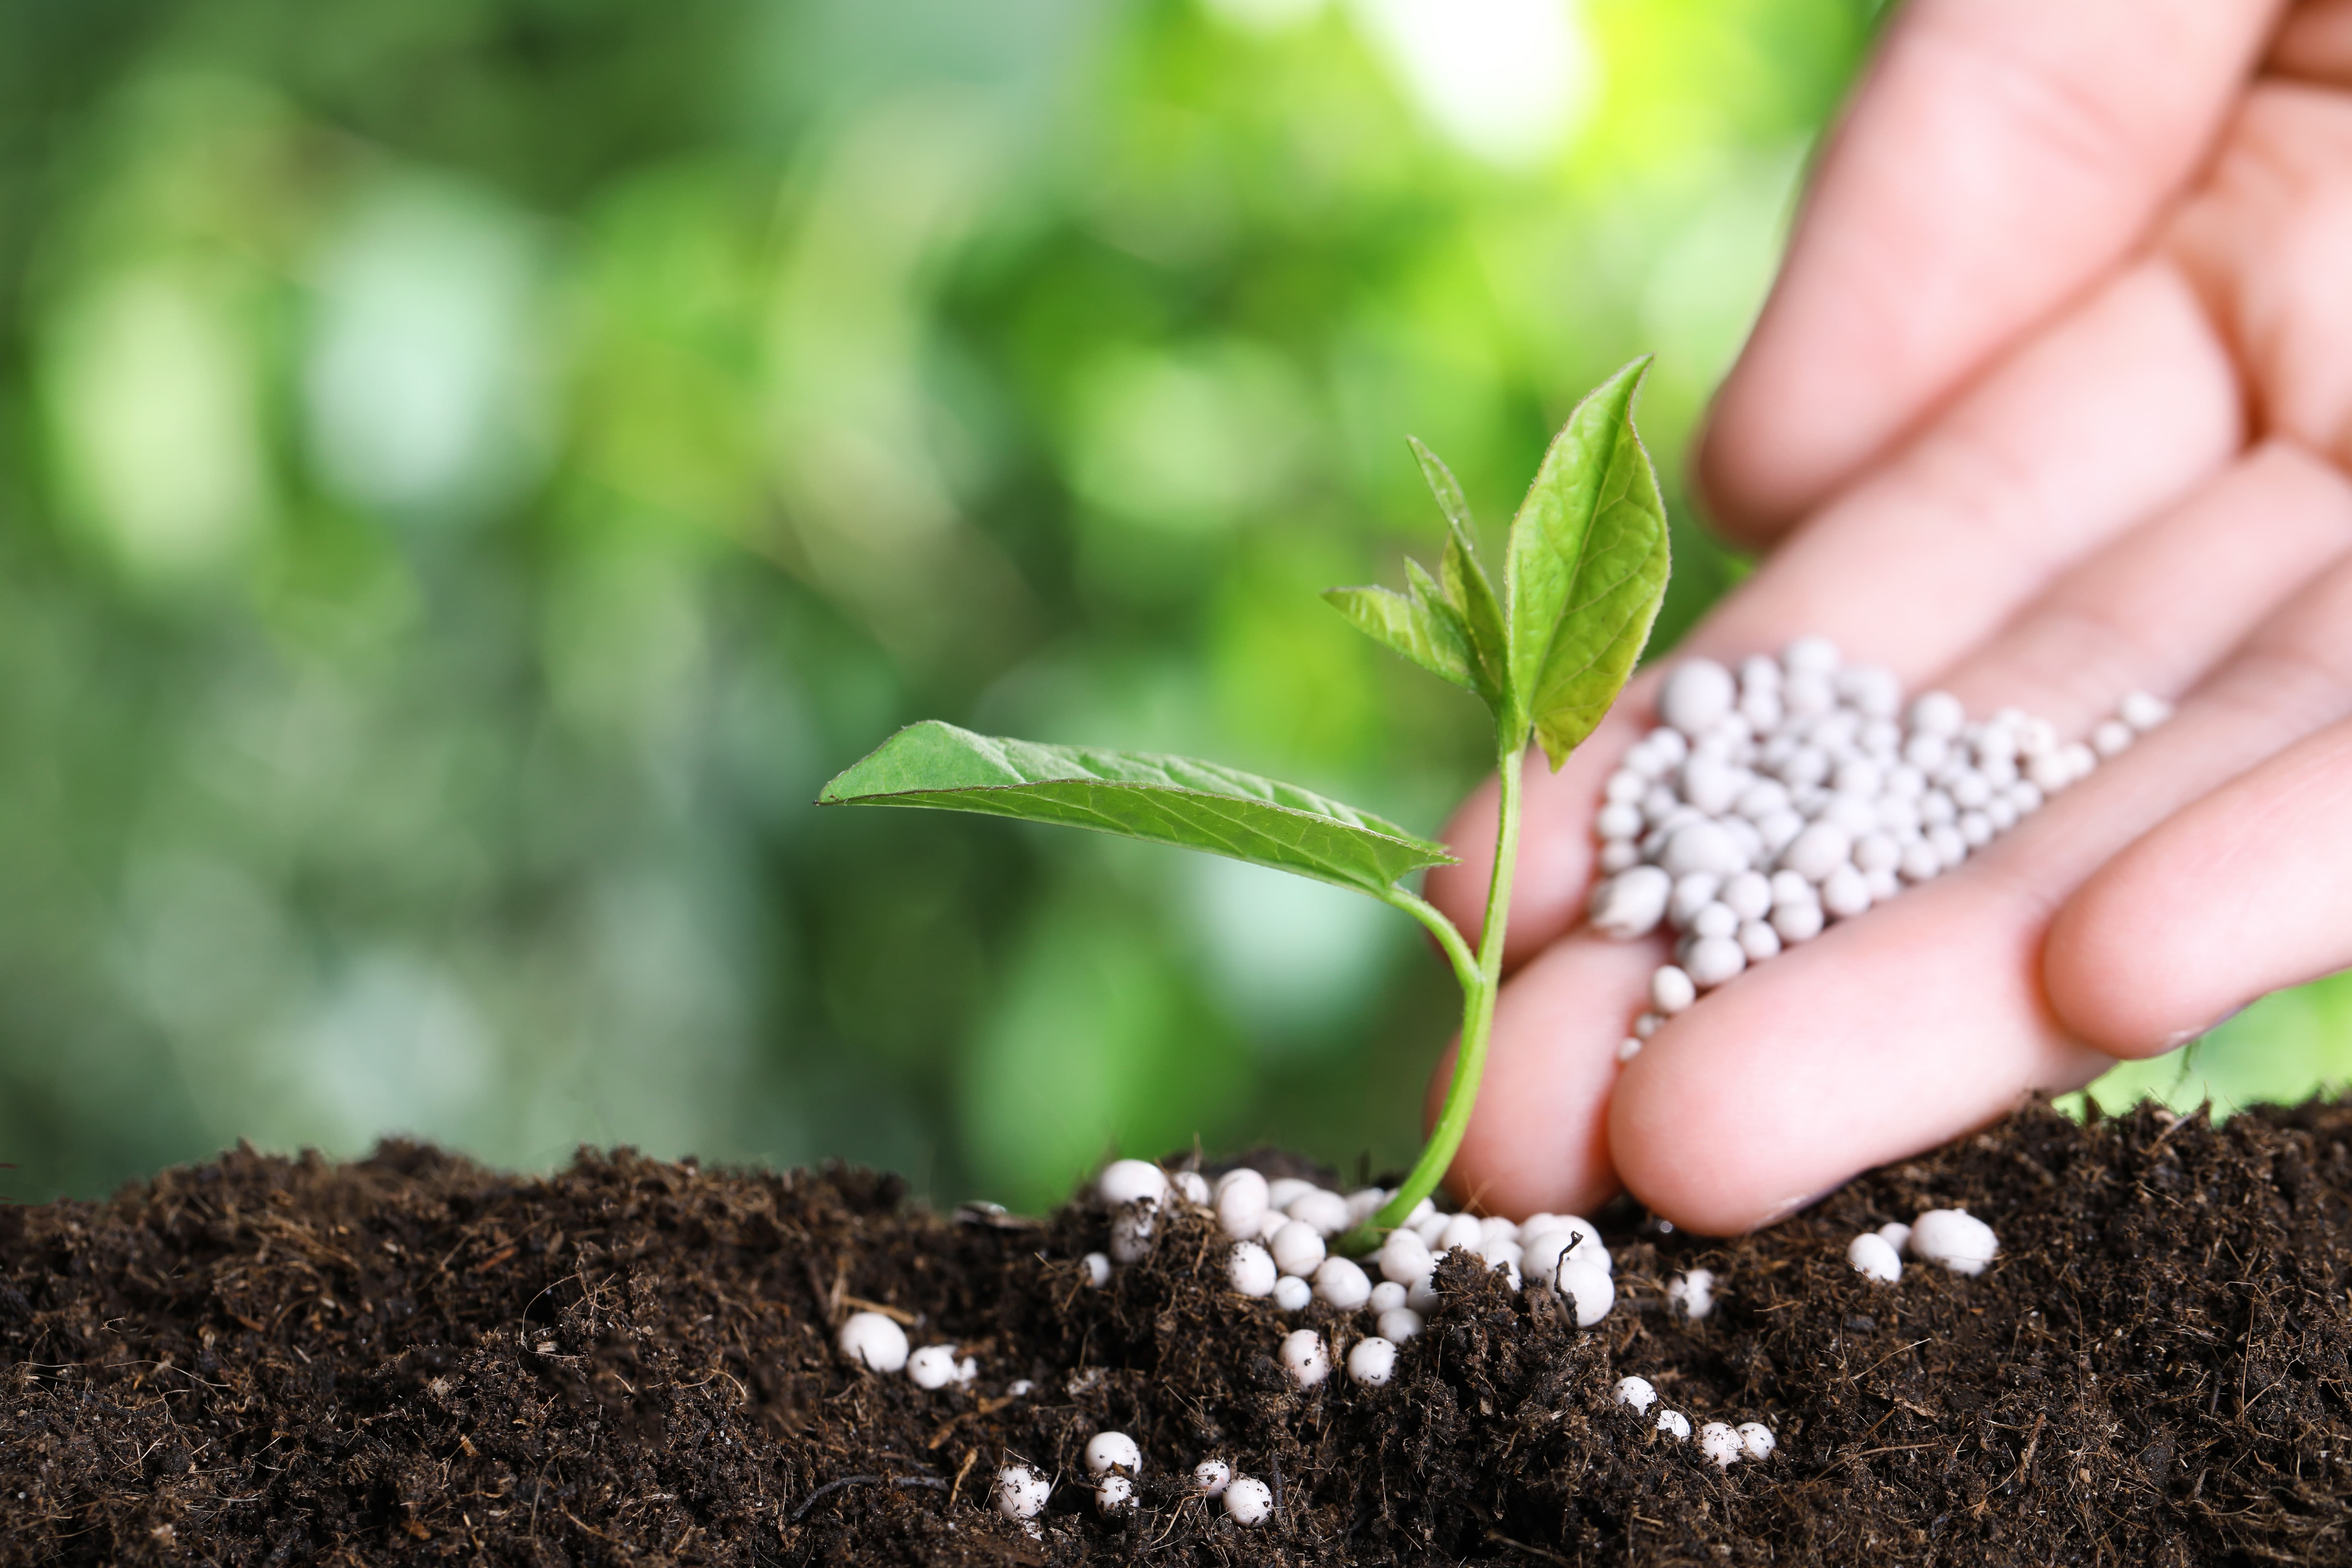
(2053, 401)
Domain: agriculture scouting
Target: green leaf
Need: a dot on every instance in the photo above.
(1446, 488)
(1410, 626)
(1586, 568)
(1472, 597)
(1163, 800)
(1467, 586)
(1427, 592)
(1446, 614)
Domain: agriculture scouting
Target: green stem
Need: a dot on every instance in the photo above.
(1482, 979)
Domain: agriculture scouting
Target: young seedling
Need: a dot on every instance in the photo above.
(1585, 570)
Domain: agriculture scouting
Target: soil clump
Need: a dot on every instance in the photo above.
(413, 1359)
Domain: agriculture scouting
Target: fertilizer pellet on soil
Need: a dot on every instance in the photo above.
(872, 1340)
(1371, 1360)
(1124, 1181)
(1020, 1492)
(1955, 1238)
(1113, 1451)
(1693, 1293)
(934, 1367)
(1249, 1501)
(1874, 1257)
(1252, 1271)
(1720, 1443)
(1305, 1358)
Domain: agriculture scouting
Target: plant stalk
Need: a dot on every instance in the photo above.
(1482, 979)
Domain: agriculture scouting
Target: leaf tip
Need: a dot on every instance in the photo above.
(1634, 373)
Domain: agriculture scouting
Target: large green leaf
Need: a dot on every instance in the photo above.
(1165, 800)
(1586, 568)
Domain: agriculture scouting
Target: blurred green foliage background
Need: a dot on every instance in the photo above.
(471, 469)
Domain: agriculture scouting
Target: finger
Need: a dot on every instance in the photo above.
(2314, 44)
(2268, 244)
(2247, 892)
(2000, 157)
(2169, 604)
(2111, 416)
(1898, 1031)
(1539, 1136)
(2116, 413)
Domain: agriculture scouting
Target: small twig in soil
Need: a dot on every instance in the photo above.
(1499, 1539)
(898, 1314)
(717, 1372)
(2040, 1420)
(589, 1528)
(961, 1470)
(1866, 1452)
(1882, 1361)
(984, 1408)
(830, 1487)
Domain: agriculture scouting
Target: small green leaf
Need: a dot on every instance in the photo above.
(1427, 591)
(1431, 595)
(1163, 800)
(1468, 588)
(1446, 488)
(1428, 636)
(1473, 595)
(1586, 568)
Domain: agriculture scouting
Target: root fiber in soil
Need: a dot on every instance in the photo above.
(415, 1360)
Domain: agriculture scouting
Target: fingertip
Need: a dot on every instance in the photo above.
(2108, 979)
(1688, 1153)
(1883, 1037)
(1579, 1180)
(2243, 892)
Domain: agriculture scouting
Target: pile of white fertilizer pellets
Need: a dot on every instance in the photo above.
(1281, 1230)
(1797, 791)
(1718, 1440)
(1113, 1460)
(875, 1341)
(1953, 1237)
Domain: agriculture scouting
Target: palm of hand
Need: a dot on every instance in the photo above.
(2059, 379)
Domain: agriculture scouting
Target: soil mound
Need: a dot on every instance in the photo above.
(414, 1359)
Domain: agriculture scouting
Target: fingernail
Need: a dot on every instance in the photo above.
(2173, 1042)
(1787, 1207)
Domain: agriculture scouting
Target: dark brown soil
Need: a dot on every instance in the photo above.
(416, 1360)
